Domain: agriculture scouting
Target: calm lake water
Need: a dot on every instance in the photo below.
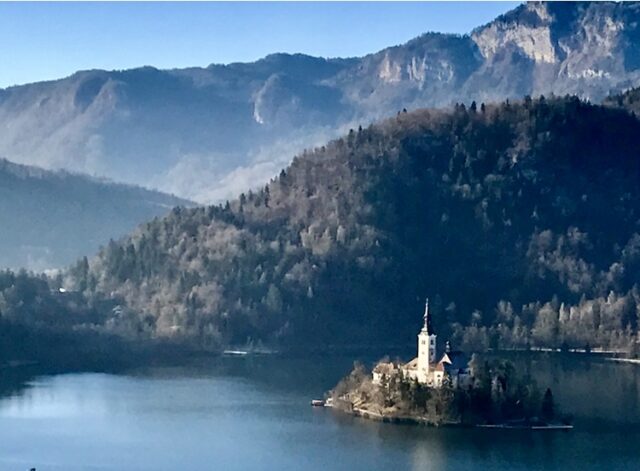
(253, 413)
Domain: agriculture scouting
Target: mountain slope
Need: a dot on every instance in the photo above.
(519, 220)
(207, 133)
(49, 219)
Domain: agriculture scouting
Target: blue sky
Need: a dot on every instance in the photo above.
(41, 41)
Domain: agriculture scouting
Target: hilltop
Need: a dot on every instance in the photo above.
(518, 219)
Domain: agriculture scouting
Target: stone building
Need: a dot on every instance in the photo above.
(426, 368)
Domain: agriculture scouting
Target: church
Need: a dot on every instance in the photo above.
(426, 368)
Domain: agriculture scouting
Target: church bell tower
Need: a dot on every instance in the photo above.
(426, 347)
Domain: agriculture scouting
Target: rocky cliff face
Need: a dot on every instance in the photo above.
(587, 49)
(205, 133)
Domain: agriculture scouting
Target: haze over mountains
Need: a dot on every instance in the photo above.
(209, 133)
(50, 219)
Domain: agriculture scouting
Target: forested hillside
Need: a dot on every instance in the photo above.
(519, 220)
(40, 323)
(49, 219)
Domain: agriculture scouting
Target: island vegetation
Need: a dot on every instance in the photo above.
(497, 395)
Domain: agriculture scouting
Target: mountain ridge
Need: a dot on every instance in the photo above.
(205, 132)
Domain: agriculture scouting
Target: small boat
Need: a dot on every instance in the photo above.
(235, 353)
(528, 425)
(553, 427)
(317, 403)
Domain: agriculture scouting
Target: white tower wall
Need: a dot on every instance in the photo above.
(426, 349)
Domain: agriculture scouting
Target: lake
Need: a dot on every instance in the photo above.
(254, 413)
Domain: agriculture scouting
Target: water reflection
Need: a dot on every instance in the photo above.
(253, 413)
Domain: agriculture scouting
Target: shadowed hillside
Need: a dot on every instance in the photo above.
(519, 220)
(49, 219)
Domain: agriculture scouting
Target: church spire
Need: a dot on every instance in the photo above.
(426, 316)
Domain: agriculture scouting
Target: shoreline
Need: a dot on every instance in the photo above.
(404, 419)
(632, 361)
(425, 421)
(596, 352)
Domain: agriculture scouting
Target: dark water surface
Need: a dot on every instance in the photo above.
(253, 413)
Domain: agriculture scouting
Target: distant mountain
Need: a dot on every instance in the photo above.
(208, 133)
(520, 221)
(50, 219)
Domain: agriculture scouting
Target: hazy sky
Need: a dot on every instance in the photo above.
(41, 41)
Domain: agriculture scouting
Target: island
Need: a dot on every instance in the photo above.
(453, 391)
